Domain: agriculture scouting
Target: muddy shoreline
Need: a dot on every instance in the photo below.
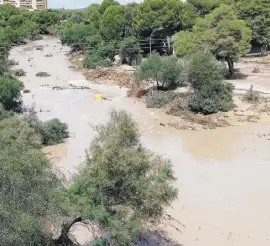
(222, 174)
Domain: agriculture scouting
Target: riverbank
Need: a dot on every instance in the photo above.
(222, 174)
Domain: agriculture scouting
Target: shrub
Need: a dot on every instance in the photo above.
(203, 69)
(252, 97)
(19, 72)
(94, 60)
(159, 99)
(4, 114)
(42, 74)
(164, 71)
(10, 93)
(212, 98)
(12, 63)
(51, 131)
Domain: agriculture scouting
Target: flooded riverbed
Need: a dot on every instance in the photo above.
(222, 174)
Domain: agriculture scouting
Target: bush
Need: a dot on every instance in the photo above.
(159, 99)
(212, 98)
(252, 97)
(3, 113)
(10, 93)
(51, 131)
(12, 63)
(19, 72)
(164, 71)
(42, 74)
(203, 69)
(94, 60)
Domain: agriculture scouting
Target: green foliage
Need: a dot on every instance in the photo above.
(164, 71)
(256, 15)
(51, 132)
(203, 69)
(154, 14)
(159, 99)
(19, 72)
(105, 4)
(185, 43)
(93, 60)
(112, 22)
(220, 32)
(4, 114)
(92, 15)
(10, 95)
(78, 36)
(212, 98)
(130, 52)
(121, 184)
(28, 183)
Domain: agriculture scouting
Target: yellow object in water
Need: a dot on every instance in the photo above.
(99, 97)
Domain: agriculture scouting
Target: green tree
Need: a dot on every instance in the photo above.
(130, 14)
(222, 33)
(112, 22)
(204, 7)
(256, 14)
(164, 71)
(105, 4)
(130, 51)
(28, 184)
(121, 184)
(92, 15)
(154, 14)
(185, 43)
(10, 93)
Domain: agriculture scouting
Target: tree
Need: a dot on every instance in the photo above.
(121, 184)
(256, 15)
(112, 23)
(105, 4)
(188, 15)
(130, 14)
(204, 7)
(10, 93)
(92, 15)
(164, 71)
(221, 33)
(28, 184)
(154, 14)
(185, 43)
(130, 51)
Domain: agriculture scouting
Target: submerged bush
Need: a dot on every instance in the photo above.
(212, 98)
(159, 99)
(42, 74)
(51, 131)
(19, 72)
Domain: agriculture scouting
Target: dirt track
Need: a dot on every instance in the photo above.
(222, 174)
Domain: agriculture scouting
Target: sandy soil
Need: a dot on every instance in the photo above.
(222, 174)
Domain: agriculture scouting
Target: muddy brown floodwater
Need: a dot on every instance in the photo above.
(222, 174)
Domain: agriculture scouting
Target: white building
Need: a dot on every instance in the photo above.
(28, 4)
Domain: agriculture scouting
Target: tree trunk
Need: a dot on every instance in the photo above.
(63, 239)
(231, 67)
